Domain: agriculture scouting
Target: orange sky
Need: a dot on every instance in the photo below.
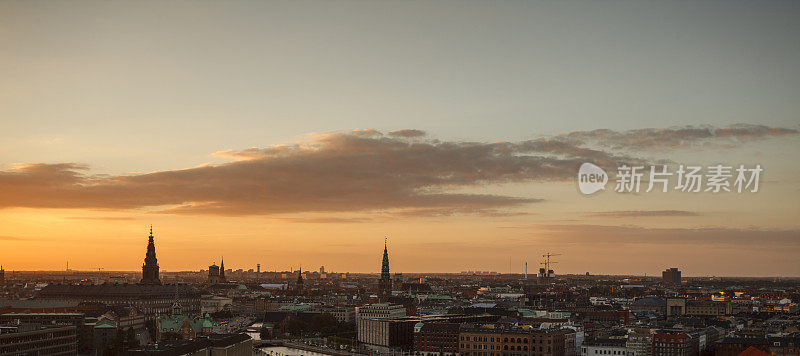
(288, 133)
(495, 216)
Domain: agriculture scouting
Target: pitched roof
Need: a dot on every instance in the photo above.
(752, 351)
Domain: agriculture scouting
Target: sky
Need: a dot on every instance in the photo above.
(305, 132)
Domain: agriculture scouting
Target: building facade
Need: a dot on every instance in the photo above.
(436, 339)
(38, 339)
(510, 340)
(671, 276)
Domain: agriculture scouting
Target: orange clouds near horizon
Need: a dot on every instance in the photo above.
(447, 206)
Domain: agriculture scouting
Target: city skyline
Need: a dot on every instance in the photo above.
(281, 133)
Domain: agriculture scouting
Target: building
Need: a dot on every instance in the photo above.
(2, 275)
(640, 342)
(38, 339)
(214, 304)
(653, 303)
(676, 306)
(709, 307)
(671, 276)
(784, 345)
(184, 326)
(675, 343)
(150, 265)
(47, 306)
(379, 311)
(573, 340)
(436, 339)
(125, 317)
(600, 347)
(78, 320)
(104, 334)
(733, 346)
(387, 334)
(345, 314)
(209, 345)
(683, 306)
(216, 274)
(298, 287)
(385, 283)
(149, 297)
(619, 317)
(509, 339)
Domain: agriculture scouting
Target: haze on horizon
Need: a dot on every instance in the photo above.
(288, 133)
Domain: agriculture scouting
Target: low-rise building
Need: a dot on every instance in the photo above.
(213, 303)
(381, 310)
(436, 339)
(38, 339)
(604, 347)
(675, 343)
(507, 339)
(183, 326)
(209, 345)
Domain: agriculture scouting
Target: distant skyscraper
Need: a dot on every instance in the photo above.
(671, 276)
(2, 275)
(385, 283)
(150, 266)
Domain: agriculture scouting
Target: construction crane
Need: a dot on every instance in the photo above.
(546, 263)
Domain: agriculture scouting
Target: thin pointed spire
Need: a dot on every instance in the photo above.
(385, 283)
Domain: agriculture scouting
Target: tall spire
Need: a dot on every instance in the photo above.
(150, 265)
(385, 283)
(385, 265)
(299, 285)
(222, 269)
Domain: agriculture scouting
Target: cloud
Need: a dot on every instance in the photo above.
(640, 213)
(107, 218)
(326, 220)
(685, 137)
(335, 172)
(407, 133)
(402, 173)
(444, 212)
(719, 236)
(10, 238)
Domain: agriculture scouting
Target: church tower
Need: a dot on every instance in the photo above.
(222, 270)
(299, 286)
(150, 265)
(385, 283)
